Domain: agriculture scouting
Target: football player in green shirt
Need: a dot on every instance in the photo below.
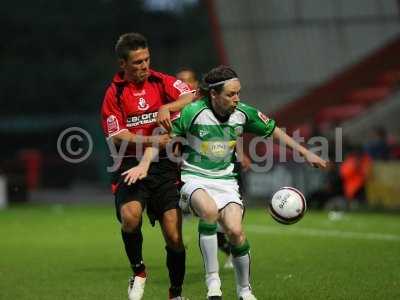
(210, 128)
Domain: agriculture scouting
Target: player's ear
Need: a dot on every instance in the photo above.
(122, 63)
(213, 94)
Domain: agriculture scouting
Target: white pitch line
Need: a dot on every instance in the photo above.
(322, 233)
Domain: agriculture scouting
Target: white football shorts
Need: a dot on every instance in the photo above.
(223, 191)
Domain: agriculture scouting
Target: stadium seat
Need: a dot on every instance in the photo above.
(389, 78)
(369, 95)
(338, 113)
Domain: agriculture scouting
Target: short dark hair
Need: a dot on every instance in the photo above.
(215, 75)
(190, 70)
(129, 42)
(185, 69)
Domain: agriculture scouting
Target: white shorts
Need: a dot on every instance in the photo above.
(222, 191)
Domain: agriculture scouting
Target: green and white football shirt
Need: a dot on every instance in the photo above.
(209, 147)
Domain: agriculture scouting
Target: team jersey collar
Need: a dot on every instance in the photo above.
(220, 118)
(119, 77)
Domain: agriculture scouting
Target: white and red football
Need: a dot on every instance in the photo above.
(287, 205)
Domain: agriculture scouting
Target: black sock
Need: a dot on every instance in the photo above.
(176, 267)
(223, 243)
(133, 246)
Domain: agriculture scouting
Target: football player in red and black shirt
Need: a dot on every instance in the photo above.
(136, 99)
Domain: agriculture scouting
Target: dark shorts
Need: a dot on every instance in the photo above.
(157, 193)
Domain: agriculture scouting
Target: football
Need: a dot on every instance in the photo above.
(287, 205)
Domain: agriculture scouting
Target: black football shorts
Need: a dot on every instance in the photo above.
(157, 192)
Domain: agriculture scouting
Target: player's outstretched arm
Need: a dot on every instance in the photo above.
(140, 171)
(164, 116)
(313, 159)
(126, 136)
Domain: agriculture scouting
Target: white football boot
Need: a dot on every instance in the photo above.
(213, 287)
(248, 297)
(136, 287)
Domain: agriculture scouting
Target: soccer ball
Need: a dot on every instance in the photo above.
(287, 205)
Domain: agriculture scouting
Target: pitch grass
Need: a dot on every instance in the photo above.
(75, 252)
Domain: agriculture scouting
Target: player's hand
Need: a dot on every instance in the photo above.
(160, 140)
(245, 163)
(134, 174)
(315, 161)
(164, 118)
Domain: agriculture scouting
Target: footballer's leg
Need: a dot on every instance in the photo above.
(224, 246)
(231, 219)
(205, 207)
(171, 224)
(131, 219)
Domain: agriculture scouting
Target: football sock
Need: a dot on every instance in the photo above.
(241, 263)
(133, 242)
(176, 260)
(223, 243)
(209, 249)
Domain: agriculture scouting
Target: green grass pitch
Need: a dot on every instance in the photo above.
(75, 252)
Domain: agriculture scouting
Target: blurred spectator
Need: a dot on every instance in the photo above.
(331, 190)
(189, 76)
(395, 151)
(377, 146)
(394, 146)
(354, 172)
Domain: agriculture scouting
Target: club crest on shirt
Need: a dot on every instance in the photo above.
(263, 117)
(142, 104)
(112, 124)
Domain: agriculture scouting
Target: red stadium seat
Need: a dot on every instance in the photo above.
(338, 113)
(368, 96)
(389, 78)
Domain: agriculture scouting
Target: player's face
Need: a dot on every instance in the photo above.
(137, 65)
(188, 77)
(226, 102)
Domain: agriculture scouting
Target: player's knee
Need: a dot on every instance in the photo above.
(130, 224)
(209, 214)
(204, 206)
(130, 220)
(174, 241)
(210, 217)
(236, 234)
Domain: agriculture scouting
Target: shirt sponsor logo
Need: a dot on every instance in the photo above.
(263, 117)
(217, 150)
(141, 119)
(112, 124)
(143, 105)
(181, 86)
